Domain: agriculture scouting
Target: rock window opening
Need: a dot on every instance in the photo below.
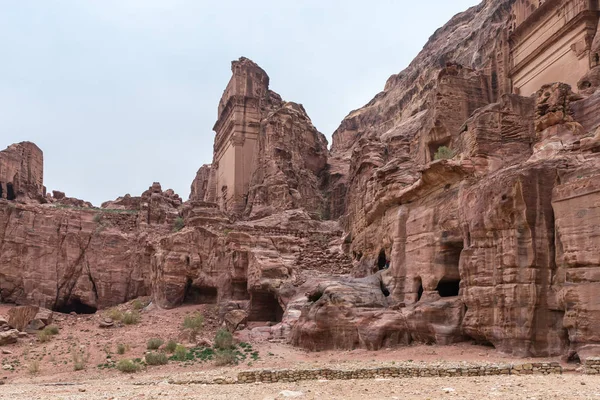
(199, 294)
(240, 290)
(382, 262)
(434, 147)
(75, 305)
(1, 191)
(264, 307)
(10, 192)
(448, 288)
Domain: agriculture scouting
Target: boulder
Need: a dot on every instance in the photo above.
(9, 337)
(19, 317)
(233, 319)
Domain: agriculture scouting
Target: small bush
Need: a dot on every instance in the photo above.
(51, 329)
(128, 366)
(180, 352)
(115, 314)
(223, 340)
(138, 304)
(122, 348)
(80, 359)
(154, 358)
(171, 346)
(44, 336)
(97, 217)
(131, 317)
(154, 343)
(225, 357)
(194, 324)
(178, 224)
(34, 367)
(443, 153)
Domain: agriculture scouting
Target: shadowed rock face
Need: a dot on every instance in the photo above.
(448, 209)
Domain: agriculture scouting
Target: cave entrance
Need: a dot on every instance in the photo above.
(448, 287)
(382, 260)
(264, 307)
(240, 290)
(10, 191)
(199, 294)
(418, 287)
(1, 190)
(76, 306)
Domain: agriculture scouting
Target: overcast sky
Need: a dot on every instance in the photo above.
(121, 93)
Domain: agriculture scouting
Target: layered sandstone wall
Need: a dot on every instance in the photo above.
(448, 209)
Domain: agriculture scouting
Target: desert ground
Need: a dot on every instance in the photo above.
(53, 375)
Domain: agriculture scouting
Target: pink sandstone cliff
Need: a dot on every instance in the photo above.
(448, 209)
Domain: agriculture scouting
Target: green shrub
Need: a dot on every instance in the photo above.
(171, 346)
(131, 317)
(51, 329)
(115, 314)
(128, 366)
(137, 304)
(154, 358)
(154, 343)
(223, 340)
(443, 153)
(97, 217)
(193, 323)
(225, 357)
(121, 348)
(180, 352)
(44, 336)
(178, 224)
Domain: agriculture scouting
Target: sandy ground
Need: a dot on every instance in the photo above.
(56, 377)
(498, 387)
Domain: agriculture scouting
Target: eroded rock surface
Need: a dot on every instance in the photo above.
(448, 209)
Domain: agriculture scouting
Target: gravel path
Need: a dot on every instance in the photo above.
(568, 386)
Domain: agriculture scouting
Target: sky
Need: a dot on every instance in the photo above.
(122, 93)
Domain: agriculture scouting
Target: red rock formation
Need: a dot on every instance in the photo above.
(22, 172)
(268, 155)
(459, 211)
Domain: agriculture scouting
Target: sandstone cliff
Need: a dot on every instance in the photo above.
(448, 209)
(474, 239)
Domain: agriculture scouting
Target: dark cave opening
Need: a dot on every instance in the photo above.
(382, 260)
(385, 290)
(419, 287)
(1, 190)
(573, 358)
(448, 287)
(199, 294)
(10, 191)
(75, 305)
(264, 307)
(240, 290)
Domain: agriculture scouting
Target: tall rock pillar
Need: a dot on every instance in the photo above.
(237, 131)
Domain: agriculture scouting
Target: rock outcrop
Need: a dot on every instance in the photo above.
(22, 172)
(448, 209)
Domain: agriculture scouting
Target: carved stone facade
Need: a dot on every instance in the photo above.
(21, 171)
(237, 131)
(551, 41)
